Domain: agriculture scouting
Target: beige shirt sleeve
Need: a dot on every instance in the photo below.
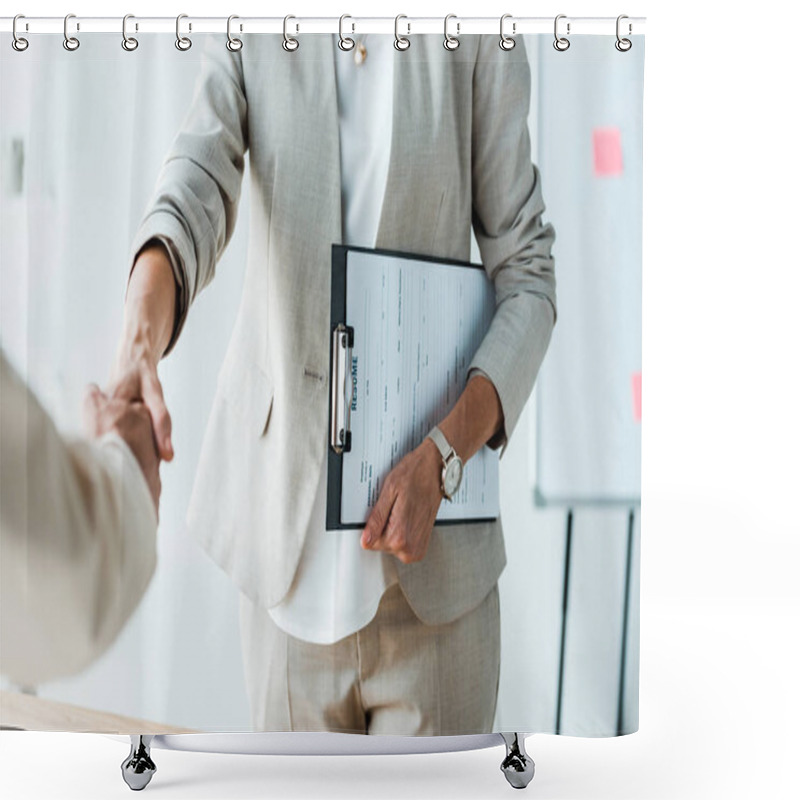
(77, 540)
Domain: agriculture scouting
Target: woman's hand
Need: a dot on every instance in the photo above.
(147, 328)
(401, 522)
(134, 377)
(131, 421)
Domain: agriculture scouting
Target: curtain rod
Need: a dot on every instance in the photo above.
(299, 25)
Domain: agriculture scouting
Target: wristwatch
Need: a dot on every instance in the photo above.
(453, 467)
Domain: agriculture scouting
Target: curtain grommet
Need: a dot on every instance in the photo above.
(346, 43)
(561, 43)
(183, 43)
(233, 44)
(507, 42)
(70, 43)
(451, 42)
(623, 45)
(290, 43)
(19, 43)
(401, 43)
(129, 43)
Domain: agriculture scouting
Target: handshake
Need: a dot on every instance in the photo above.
(75, 515)
(131, 421)
(133, 406)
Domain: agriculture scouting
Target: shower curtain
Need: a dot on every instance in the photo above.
(237, 169)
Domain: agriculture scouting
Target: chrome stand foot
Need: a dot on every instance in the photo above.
(138, 768)
(517, 766)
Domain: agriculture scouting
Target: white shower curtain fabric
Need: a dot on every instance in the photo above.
(553, 645)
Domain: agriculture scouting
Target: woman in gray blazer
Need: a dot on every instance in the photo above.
(459, 163)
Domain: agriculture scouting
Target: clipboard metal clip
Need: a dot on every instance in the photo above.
(341, 387)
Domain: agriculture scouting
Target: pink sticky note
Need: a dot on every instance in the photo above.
(607, 151)
(636, 386)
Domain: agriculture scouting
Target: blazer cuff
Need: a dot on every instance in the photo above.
(165, 228)
(512, 362)
(499, 438)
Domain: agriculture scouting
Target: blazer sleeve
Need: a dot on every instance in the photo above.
(514, 241)
(77, 540)
(195, 201)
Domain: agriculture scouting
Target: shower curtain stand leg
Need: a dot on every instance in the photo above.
(517, 766)
(138, 768)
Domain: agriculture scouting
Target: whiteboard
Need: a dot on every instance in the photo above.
(588, 406)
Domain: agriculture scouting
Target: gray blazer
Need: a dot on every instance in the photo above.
(460, 158)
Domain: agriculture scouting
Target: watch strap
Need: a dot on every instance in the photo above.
(440, 441)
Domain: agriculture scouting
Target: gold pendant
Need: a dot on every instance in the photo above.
(360, 54)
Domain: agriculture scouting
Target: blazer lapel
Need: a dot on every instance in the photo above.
(411, 203)
(308, 225)
(316, 78)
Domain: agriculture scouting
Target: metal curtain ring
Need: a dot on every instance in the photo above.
(401, 42)
(451, 42)
(19, 43)
(345, 42)
(290, 44)
(129, 43)
(623, 45)
(70, 42)
(561, 43)
(233, 44)
(507, 42)
(182, 42)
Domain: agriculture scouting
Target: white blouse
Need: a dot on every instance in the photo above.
(338, 585)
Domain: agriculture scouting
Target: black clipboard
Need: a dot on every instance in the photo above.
(342, 337)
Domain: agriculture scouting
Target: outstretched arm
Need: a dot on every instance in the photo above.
(146, 333)
(185, 229)
(77, 532)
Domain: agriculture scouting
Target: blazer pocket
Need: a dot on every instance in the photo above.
(249, 392)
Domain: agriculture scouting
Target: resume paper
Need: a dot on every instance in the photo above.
(417, 324)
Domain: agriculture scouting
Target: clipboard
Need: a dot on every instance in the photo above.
(347, 386)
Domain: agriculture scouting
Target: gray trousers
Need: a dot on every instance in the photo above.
(396, 675)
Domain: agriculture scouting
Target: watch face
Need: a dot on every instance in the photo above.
(452, 476)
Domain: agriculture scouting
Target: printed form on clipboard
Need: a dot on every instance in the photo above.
(404, 329)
